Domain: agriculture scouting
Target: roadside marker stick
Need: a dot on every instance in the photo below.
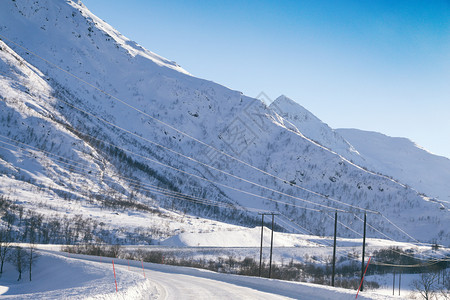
(362, 279)
(115, 281)
(128, 264)
(143, 271)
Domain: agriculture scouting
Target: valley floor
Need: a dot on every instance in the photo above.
(61, 275)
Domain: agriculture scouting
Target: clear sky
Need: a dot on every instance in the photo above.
(373, 65)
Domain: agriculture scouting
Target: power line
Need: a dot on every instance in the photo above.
(406, 266)
(343, 253)
(159, 190)
(192, 159)
(209, 146)
(328, 245)
(196, 176)
(162, 192)
(185, 134)
(407, 234)
(135, 183)
(199, 162)
(210, 202)
(152, 189)
(196, 200)
(342, 224)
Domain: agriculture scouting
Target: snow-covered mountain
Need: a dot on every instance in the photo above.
(404, 160)
(91, 120)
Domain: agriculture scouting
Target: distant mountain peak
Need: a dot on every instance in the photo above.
(285, 102)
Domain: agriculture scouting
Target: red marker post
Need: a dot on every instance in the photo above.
(143, 271)
(114, 269)
(362, 279)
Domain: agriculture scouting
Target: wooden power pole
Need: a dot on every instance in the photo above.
(271, 247)
(260, 249)
(271, 243)
(363, 252)
(334, 249)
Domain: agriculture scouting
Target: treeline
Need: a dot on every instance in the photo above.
(22, 258)
(18, 224)
(405, 261)
(26, 225)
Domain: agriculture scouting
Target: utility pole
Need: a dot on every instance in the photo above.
(363, 252)
(393, 284)
(334, 249)
(399, 283)
(260, 249)
(271, 243)
(271, 247)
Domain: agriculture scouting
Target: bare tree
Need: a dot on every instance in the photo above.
(32, 257)
(18, 258)
(444, 289)
(426, 285)
(6, 239)
(5, 246)
(32, 254)
(114, 250)
(20, 209)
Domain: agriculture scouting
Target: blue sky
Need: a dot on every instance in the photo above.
(373, 65)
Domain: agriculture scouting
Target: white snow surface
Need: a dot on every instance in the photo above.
(64, 276)
(245, 237)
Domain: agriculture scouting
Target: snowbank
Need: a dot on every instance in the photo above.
(57, 277)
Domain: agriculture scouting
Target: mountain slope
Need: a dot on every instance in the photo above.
(404, 160)
(125, 107)
(313, 128)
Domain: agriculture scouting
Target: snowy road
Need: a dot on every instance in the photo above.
(176, 287)
(173, 282)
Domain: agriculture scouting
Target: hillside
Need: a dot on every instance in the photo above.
(404, 160)
(117, 130)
